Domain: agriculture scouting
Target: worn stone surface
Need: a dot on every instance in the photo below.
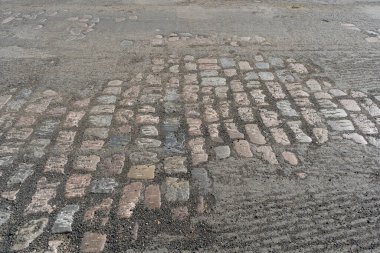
(128, 201)
(176, 189)
(45, 193)
(76, 185)
(28, 232)
(142, 172)
(65, 219)
(242, 148)
(93, 242)
(222, 152)
(206, 151)
(175, 164)
(23, 171)
(152, 198)
(103, 185)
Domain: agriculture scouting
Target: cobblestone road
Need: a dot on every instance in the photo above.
(140, 147)
(115, 169)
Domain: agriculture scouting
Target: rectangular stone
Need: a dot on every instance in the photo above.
(350, 105)
(213, 131)
(242, 148)
(246, 114)
(44, 194)
(280, 136)
(142, 172)
(100, 120)
(64, 141)
(25, 121)
(92, 145)
(233, 132)
(275, 89)
(364, 124)
(86, 163)
(241, 99)
(114, 164)
(73, 118)
(65, 219)
(269, 118)
(8, 148)
(254, 134)
(333, 113)
(213, 81)
(56, 164)
(300, 136)
(311, 116)
(100, 133)
(371, 107)
(176, 190)
(286, 109)
(194, 126)
(102, 109)
(267, 154)
(129, 199)
(103, 185)
(175, 164)
(47, 128)
(38, 107)
(152, 198)
(341, 125)
(76, 185)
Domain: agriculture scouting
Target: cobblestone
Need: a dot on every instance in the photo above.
(300, 136)
(129, 199)
(141, 149)
(141, 172)
(76, 185)
(176, 189)
(93, 242)
(152, 198)
(86, 163)
(267, 154)
(242, 148)
(103, 185)
(27, 233)
(44, 194)
(356, 138)
(254, 134)
(341, 125)
(280, 136)
(350, 105)
(321, 135)
(65, 219)
(364, 124)
(222, 152)
(290, 157)
(175, 164)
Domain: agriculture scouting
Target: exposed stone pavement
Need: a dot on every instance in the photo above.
(115, 169)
